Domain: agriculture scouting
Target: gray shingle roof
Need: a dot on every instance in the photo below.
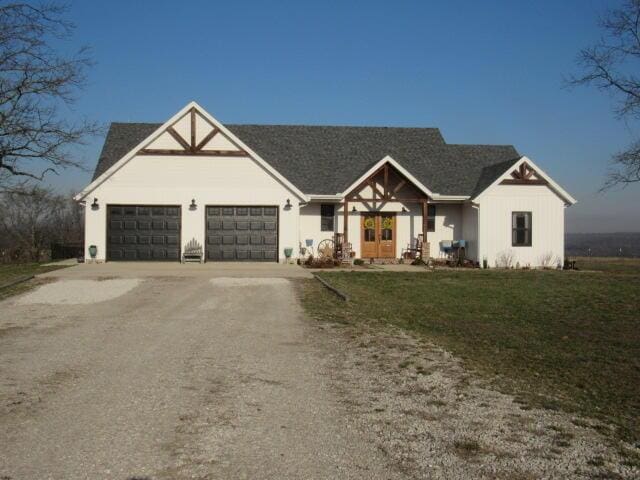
(326, 160)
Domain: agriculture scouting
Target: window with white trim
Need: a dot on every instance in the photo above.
(521, 229)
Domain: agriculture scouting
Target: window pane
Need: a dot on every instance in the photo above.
(521, 237)
(369, 235)
(431, 225)
(431, 210)
(387, 234)
(326, 224)
(327, 210)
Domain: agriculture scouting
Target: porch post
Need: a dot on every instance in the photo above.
(346, 221)
(425, 227)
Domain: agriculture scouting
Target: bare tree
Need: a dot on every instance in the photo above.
(29, 221)
(610, 65)
(36, 83)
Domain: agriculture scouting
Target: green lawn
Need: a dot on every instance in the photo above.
(560, 340)
(13, 272)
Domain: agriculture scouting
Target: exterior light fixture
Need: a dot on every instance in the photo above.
(94, 205)
(288, 205)
(193, 205)
(353, 210)
(404, 210)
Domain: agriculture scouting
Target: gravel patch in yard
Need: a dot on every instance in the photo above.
(247, 282)
(78, 292)
(435, 420)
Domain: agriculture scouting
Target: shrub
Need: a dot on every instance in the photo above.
(358, 261)
(505, 259)
(548, 260)
(323, 262)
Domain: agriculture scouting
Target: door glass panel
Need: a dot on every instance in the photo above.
(369, 229)
(386, 227)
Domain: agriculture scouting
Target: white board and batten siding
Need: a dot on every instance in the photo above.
(495, 227)
(176, 180)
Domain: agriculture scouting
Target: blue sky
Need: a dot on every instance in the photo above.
(482, 72)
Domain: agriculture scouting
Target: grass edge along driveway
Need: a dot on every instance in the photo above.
(558, 340)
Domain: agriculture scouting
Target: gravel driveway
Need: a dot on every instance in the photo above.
(178, 376)
(171, 378)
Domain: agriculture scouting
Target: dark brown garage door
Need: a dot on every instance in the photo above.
(143, 232)
(242, 233)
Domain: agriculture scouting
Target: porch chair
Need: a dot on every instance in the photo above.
(413, 252)
(342, 249)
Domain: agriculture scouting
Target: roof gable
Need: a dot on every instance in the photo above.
(191, 131)
(523, 172)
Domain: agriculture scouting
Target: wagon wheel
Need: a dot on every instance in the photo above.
(326, 248)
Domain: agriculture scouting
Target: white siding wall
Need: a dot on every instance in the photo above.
(547, 210)
(448, 226)
(168, 180)
(470, 230)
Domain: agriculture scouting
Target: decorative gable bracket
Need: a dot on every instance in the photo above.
(193, 134)
(524, 175)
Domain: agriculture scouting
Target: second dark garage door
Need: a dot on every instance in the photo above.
(237, 233)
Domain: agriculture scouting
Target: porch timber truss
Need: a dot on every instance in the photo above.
(387, 184)
(190, 144)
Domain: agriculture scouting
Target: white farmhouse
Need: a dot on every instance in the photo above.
(259, 192)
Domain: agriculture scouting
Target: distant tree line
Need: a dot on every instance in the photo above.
(603, 244)
(34, 218)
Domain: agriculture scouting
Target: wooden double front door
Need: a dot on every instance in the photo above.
(378, 235)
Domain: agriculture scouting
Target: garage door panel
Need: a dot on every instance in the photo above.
(248, 233)
(143, 232)
(214, 239)
(130, 254)
(115, 254)
(144, 254)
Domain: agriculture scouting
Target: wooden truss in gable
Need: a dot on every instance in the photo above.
(524, 175)
(386, 184)
(193, 134)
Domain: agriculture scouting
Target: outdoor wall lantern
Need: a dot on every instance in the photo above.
(288, 205)
(354, 209)
(193, 205)
(94, 205)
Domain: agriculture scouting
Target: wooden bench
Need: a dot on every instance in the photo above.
(192, 252)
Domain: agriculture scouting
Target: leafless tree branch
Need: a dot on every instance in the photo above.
(611, 66)
(36, 82)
